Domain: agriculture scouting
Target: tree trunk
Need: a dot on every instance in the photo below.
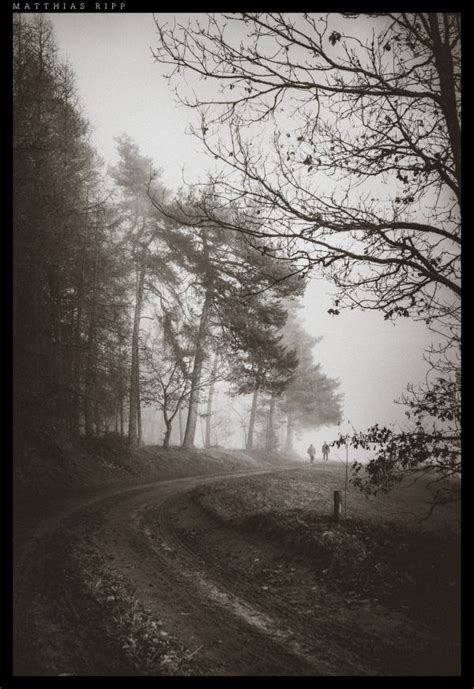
(181, 429)
(289, 434)
(97, 416)
(135, 364)
(139, 412)
(202, 431)
(166, 439)
(207, 442)
(121, 417)
(197, 369)
(444, 65)
(76, 355)
(91, 373)
(253, 414)
(270, 429)
(89, 379)
(55, 354)
(158, 435)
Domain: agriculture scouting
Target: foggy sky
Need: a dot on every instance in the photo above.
(122, 91)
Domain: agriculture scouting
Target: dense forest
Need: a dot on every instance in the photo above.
(119, 306)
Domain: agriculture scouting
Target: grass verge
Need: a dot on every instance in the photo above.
(384, 550)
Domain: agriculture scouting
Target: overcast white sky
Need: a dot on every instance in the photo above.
(122, 91)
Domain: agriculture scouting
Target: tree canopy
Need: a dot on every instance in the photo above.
(344, 132)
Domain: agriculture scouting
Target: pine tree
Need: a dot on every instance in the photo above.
(311, 399)
(63, 232)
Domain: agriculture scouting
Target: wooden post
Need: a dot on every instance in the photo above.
(337, 505)
(347, 478)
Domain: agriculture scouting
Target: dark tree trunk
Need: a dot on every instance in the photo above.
(135, 363)
(77, 358)
(97, 416)
(55, 382)
(269, 445)
(253, 414)
(121, 417)
(197, 370)
(166, 439)
(207, 442)
(89, 379)
(160, 428)
(91, 359)
(139, 413)
(444, 65)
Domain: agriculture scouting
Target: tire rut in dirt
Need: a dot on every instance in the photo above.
(340, 640)
(60, 629)
(167, 583)
(308, 644)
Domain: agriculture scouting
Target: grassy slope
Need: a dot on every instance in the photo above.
(384, 548)
(61, 466)
(311, 489)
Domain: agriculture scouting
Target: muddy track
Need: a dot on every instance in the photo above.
(232, 603)
(60, 630)
(278, 592)
(287, 624)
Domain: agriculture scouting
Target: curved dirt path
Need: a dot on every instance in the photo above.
(141, 580)
(59, 629)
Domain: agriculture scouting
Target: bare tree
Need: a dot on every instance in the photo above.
(362, 117)
(167, 356)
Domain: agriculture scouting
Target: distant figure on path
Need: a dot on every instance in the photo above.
(325, 449)
(312, 453)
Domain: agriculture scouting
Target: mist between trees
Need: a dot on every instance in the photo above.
(337, 145)
(118, 307)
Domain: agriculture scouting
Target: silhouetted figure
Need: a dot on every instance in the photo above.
(312, 453)
(325, 449)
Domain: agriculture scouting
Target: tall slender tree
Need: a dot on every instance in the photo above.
(143, 230)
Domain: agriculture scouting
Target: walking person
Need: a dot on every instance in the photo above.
(312, 453)
(325, 450)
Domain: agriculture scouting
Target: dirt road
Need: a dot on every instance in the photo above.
(142, 581)
(58, 629)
